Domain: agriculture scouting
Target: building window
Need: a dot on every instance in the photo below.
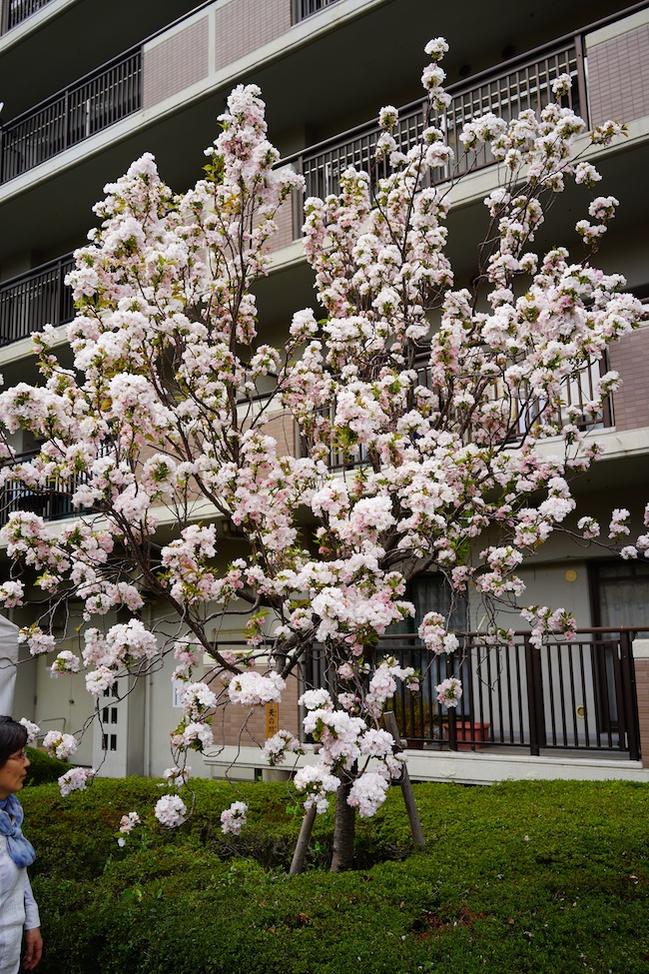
(432, 593)
(620, 594)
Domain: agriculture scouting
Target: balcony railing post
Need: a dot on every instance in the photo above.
(582, 90)
(66, 118)
(297, 204)
(608, 413)
(61, 291)
(534, 676)
(629, 695)
(451, 714)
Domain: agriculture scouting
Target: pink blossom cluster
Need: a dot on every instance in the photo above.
(423, 410)
(178, 777)
(170, 811)
(449, 692)
(234, 818)
(59, 745)
(435, 636)
(277, 747)
(126, 825)
(76, 779)
(253, 689)
(33, 730)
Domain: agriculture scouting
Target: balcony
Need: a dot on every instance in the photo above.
(54, 501)
(526, 83)
(173, 57)
(14, 12)
(35, 298)
(72, 115)
(115, 91)
(522, 412)
(51, 503)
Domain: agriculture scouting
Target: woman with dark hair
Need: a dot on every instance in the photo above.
(18, 910)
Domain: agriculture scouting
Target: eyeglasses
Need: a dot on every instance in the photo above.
(18, 756)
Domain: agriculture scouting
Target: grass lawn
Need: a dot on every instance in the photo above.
(525, 876)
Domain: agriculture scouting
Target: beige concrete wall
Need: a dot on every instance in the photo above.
(564, 585)
(64, 704)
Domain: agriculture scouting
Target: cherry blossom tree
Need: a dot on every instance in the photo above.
(436, 396)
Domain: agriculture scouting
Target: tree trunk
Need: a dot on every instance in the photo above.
(344, 830)
(297, 863)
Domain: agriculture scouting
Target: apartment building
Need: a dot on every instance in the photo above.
(86, 91)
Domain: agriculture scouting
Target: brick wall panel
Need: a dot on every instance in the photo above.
(284, 220)
(630, 357)
(234, 727)
(618, 77)
(175, 63)
(642, 690)
(282, 428)
(244, 25)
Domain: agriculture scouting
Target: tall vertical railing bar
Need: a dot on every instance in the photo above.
(90, 105)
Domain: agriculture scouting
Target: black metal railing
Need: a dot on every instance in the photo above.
(525, 84)
(94, 103)
(36, 298)
(565, 695)
(519, 414)
(51, 502)
(15, 11)
(301, 9)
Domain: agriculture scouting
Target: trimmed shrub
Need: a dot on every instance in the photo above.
(524, 877)
(43, 769)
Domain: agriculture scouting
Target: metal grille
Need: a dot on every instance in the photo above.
(520, 413)
(577, 395)
(305, 8)
(322, 170)
(15, 11)
(73, 115)
(507, 94)
(526, 87)
(565, 695)
(36, 298)
(52, 502)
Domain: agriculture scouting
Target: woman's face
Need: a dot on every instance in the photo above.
(13, 773)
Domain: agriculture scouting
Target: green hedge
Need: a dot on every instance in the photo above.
(522, 877)
(43, 768)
